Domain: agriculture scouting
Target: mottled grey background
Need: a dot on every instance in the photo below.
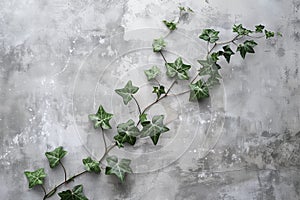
(57, 61)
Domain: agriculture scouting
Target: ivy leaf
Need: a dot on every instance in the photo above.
(127, 92)
(215, 56)
(152, 73)
(240, 30)
(269, 34)
(178, 68)
(101, 118)
(154, 128)
(75, 194)
(127, 132)
(55, 156)
(181, 8)
(247, 47)
(159, 90)
(259, 28)
(158, 44)
(91, 165)
(118, 167)
(36, 177)
(210, 68)
(227, 53)
(170, 25)
(209, 35)
(199, 90)
(143, 119)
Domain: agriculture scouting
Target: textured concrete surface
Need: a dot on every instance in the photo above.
(60, 59)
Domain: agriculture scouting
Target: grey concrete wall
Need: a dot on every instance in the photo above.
(60, 59)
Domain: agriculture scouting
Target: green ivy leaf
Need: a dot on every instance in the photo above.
(91, 165)
(127, 92)
(117, 167)
(240, 30)
(215, 56)
(170, 25)
(36, 177)
(55, 156)
(227, 53)
(210, 68)
(159, 90)
(199, 90)
(152, 73)
(158, 44)
(143, 119)
(178, 68)
(154, 128)
(259, 28)
(269, 34)
(127, 132)
(209, 35)
(247, 47)
(101, 118)
(75, 194)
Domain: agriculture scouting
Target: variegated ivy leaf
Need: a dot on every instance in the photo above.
(55, 156)
(91, 165)
(170, 25)
(227, 53)
(259, 28)
(159, 90)
(75, 194)
(209, 35)
(178, 68)
(152, 73)
(101, 118)
(240, 30)
(36, 177)
(118, 167)
(199, 90)
(269, 34)
(158, 44)
(210, 68)
(155, 128)
(127, 133)
(127, 92)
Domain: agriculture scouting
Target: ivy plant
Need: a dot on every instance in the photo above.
(127, 133)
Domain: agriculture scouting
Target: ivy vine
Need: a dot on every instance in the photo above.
(243, 43)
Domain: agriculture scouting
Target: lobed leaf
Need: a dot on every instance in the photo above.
(158, 44)
(55, 156)
(36, 177)
(199, 90)
(178, 68)
(101, 118)
(170, 25)
(75, 194)
(91, 165)
(118, 167)
(127, 92)
(209, 35)
(152, 73)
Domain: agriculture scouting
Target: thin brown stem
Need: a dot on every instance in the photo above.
(44, 190)
(104, 140)
(162, 55)
(108, 149)
(137, 104)
(65, 171)
(180, 93)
